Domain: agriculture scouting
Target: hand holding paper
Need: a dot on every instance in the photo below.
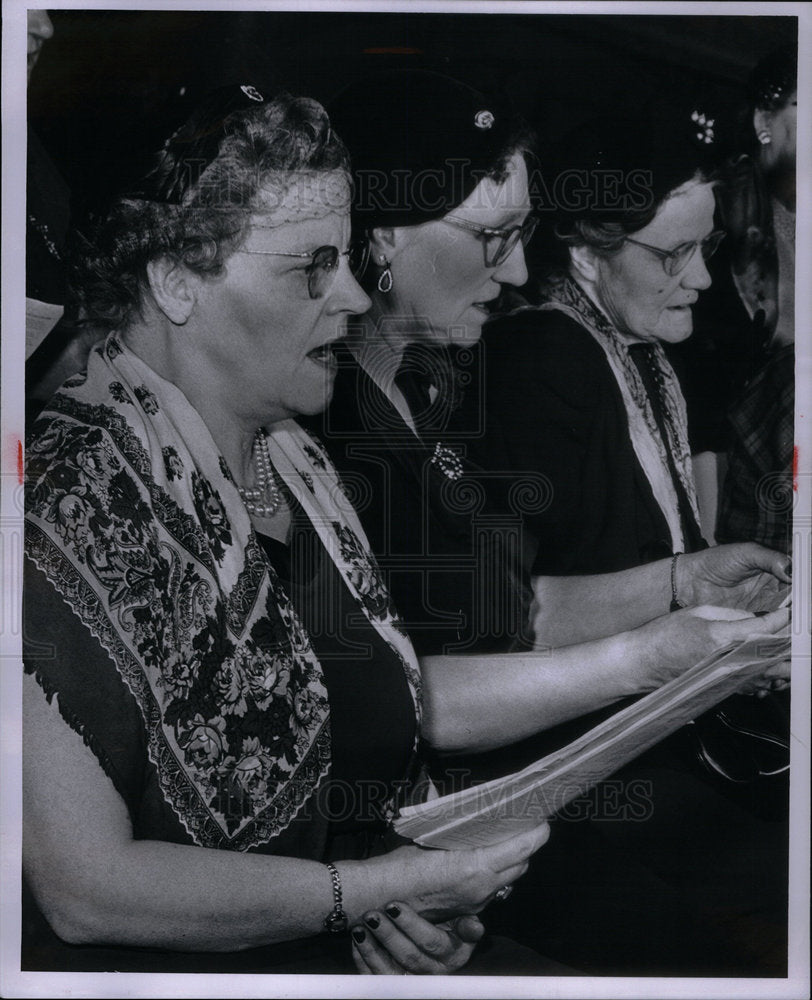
(487, 813)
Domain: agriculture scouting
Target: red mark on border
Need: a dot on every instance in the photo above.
(795, 468)
(20, 463)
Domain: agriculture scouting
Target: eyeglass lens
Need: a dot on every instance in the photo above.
(678, 259)
(321, 271)
(507, 244)
(358, 257)
(323, 267)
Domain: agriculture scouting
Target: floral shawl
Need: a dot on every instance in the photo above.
(136, 521)
(566, 296)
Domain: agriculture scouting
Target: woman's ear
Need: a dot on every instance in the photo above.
(584, 263)
(172, 289)
(385, 242)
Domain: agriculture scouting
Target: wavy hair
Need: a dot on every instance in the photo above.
(195, 204)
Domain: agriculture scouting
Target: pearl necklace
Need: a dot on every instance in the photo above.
(264, 499)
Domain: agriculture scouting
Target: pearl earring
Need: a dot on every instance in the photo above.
(764, 137)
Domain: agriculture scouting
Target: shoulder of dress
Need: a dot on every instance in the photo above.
(532, 321)
(548, 344)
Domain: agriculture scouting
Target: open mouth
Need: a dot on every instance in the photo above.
(324, 355)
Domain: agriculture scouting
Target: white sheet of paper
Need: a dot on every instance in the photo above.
(40, 319)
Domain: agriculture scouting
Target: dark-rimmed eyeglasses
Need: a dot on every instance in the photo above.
(321, 270)
(676, 260)
(498, 244)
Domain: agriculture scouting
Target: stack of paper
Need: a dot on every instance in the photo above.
(496, 810)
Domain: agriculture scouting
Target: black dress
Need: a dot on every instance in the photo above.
(684, 885)
(454, 563)
(549, 405)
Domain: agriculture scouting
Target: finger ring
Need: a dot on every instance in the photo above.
(503, 893)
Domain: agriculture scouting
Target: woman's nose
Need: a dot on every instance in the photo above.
(513, 269)
(40, 24)
(696, 274)
(347, 294)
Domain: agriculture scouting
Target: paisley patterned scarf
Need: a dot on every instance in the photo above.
(136, 521)
(566, 296)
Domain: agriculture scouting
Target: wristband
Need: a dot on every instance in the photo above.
(336, 921)
(676, 603)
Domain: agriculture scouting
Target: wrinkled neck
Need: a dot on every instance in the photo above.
(167, 350)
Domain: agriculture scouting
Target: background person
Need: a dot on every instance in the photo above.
(759, 211)
(54, 347)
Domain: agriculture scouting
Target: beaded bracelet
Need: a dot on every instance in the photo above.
(336, 921)
(676, 603)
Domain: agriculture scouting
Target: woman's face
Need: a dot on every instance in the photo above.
(632, 286)
(782, 127)
(264, 332)
(441, 285)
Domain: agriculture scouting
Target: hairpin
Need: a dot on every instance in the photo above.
(251, 92)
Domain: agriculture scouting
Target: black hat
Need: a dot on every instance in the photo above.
(622, 166)
(774, 79)
(196, 143)
(419, 143)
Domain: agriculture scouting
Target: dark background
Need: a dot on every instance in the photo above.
(110, 86)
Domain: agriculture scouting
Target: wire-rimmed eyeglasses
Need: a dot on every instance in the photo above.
(676, 260)
(321, 270)
(497, 244)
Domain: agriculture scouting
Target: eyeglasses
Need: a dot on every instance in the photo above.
(676, 260)
(321, 270)
(498, 244)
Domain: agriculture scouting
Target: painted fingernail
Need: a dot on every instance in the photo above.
(359, 934)
(393, 911)
(372, 922)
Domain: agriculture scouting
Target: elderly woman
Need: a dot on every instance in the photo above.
(443, 243)
(207, 766)
(588, 365)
